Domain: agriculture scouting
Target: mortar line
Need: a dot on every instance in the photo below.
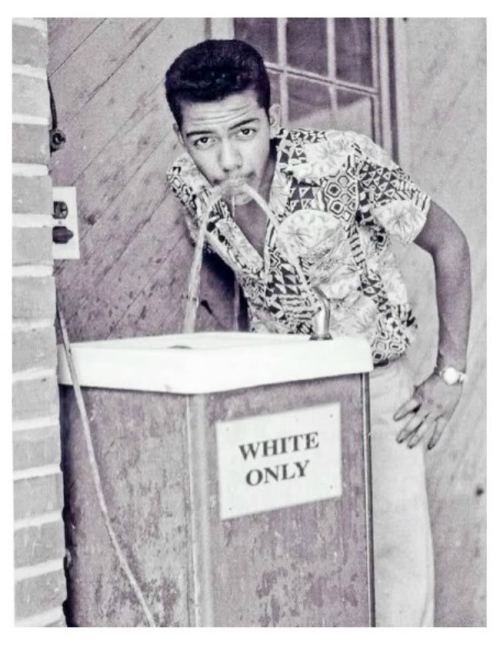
(31, 120)
(38, 520)
(30, 374)
(32, 271)
(37, 472)
(35, 423)
(44, 568)
(29, 169)
(30, 71)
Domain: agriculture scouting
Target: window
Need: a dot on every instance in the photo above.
(325, 72)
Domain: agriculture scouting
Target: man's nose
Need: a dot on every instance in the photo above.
(230, 157)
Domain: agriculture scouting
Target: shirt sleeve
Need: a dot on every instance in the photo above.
(388, 193)
(187, 196)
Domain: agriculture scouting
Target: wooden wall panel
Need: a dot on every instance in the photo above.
(107, 78)
(66, 35)
(447, 92)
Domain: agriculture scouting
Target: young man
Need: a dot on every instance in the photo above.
(338, 199)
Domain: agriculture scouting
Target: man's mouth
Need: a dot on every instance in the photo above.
(234, 185)
(234, 182)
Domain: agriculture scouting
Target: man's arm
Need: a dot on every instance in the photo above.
(433, 402)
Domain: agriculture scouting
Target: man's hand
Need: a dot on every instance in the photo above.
(428, 411)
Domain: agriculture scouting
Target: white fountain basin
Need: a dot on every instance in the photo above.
(209, 362)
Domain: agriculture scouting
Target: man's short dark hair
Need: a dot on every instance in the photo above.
(213, 70)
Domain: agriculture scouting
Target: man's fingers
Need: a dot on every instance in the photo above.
(411, 427)
(438, 431)
(407, 407)
(421, 432)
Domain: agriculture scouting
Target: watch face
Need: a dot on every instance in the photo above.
(450, 375)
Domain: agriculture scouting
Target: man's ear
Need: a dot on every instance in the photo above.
(275, 119)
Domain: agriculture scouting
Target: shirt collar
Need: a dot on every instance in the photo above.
(291, 160)
(291, 157)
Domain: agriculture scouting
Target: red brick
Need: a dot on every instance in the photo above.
(35, 398)
(37, 544)
(40, 593)
(34, 348)
(30, 144)
(33, 297)
(37, 447)
(29, 46)
(37, 495)
(30, 96)
(32, 246)
(32, 194)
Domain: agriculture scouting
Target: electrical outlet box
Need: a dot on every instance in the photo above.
(71, 248)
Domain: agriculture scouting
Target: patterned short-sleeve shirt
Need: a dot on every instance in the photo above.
(338, 199)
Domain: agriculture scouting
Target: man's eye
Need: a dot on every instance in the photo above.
(203, 142)
(246, 133)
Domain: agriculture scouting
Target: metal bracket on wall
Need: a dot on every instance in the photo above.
(66, 243)
(56, 135)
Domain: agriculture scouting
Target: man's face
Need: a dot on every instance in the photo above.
(229, 141)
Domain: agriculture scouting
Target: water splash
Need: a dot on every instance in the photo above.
(192, 299)
(228, 190)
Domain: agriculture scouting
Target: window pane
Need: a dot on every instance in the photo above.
(353, 50)
(354, 112)
(274, 79)
(306, 44)
(259, 32)
(309, 104)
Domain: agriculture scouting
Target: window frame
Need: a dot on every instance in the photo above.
(400, 92)
(380, 92)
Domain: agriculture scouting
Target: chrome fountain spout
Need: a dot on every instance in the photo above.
(322, 318)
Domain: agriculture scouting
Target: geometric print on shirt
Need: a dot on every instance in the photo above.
(338, 199)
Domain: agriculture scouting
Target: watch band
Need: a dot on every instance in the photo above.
(451, 376)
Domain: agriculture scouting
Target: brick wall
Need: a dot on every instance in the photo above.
(40, 585)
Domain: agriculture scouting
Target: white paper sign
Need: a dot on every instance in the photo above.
(279, 460)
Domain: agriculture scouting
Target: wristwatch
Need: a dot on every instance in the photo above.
(450, 375)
